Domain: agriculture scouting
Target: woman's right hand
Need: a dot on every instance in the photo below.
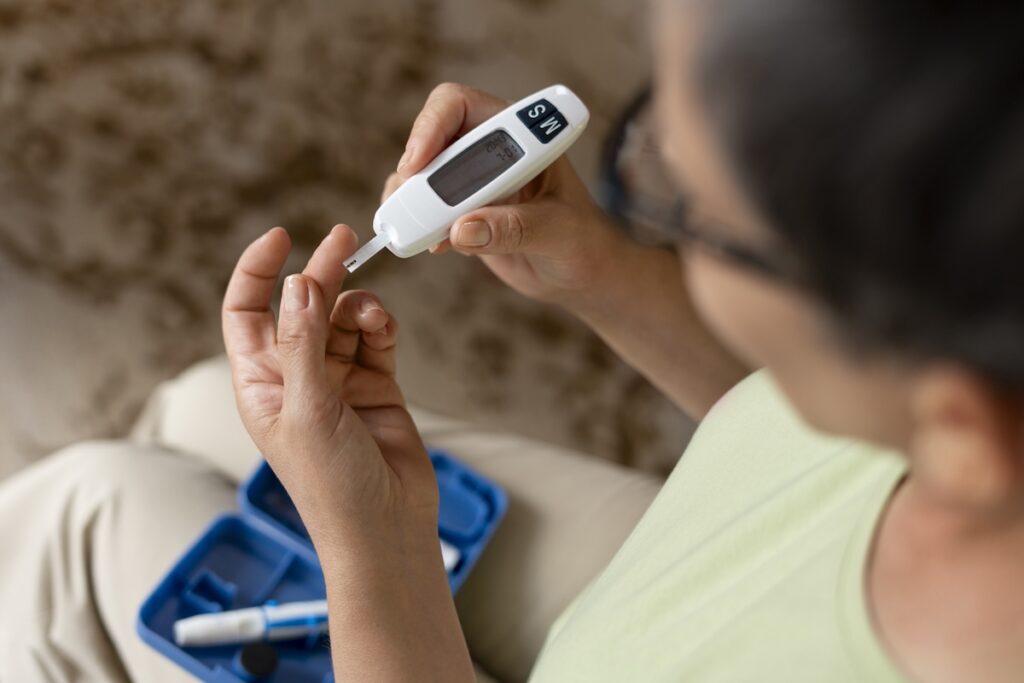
(549, 241)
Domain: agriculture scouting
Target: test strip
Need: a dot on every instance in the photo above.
(450, 555)
(367, 251)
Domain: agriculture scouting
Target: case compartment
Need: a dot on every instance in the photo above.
(264, 554)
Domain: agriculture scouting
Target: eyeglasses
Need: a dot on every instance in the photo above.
(638, 192)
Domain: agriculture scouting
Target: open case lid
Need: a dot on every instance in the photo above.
(264, 554)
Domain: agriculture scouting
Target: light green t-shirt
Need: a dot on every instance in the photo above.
(748, 566)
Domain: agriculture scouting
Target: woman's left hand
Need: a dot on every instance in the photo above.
(317, 393)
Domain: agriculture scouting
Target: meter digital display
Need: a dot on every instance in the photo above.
(475, 166)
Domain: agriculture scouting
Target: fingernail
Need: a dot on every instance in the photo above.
(369, 305)
(406, 157)
(296, 294)
(472, 234)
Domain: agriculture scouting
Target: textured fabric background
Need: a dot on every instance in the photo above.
(143, 144)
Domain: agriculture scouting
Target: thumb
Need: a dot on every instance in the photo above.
(302, 341)
(514, 228)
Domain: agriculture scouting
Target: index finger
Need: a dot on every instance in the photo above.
(247, 319)
(325, 266)
(451, 110)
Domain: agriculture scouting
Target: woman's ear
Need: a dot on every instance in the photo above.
(966, 446)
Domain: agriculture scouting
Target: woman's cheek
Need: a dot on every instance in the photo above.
(733, 306)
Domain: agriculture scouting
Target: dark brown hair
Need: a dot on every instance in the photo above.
(884, 142)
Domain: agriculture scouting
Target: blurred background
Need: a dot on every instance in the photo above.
(143, 144)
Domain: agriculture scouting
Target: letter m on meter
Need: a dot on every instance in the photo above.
(548, 128)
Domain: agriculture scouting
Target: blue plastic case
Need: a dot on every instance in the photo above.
(264, 554)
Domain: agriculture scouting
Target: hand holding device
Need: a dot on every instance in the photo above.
(548, 240)
(494, 160)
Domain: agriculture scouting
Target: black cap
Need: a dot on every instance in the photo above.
(258, 659)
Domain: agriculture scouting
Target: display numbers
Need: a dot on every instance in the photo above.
(475, 166)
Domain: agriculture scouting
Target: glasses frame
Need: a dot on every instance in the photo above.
(674, 219)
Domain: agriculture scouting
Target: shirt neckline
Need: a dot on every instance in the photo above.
(868, 653)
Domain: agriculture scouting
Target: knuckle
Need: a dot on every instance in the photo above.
(447, 90)
(393, 182)
(427, 123)
(514, 234)
(352, 298)
(291, 340)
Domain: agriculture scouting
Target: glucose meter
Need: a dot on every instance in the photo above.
(494, 160)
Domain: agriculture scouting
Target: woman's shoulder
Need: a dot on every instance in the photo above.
(753, 450)
(754, 420)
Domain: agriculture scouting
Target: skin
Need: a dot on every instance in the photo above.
(317, 392)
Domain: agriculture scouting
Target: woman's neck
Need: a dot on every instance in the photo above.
(944, 585)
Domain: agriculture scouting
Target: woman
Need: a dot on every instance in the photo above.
(849, 170)
(853, 511)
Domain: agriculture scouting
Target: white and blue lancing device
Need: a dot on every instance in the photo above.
(270, 621)
(492, 161)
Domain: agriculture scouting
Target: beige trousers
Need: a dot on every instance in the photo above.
(87, 533)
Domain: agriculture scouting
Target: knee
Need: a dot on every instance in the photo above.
(101, 472)
(196, 413)
(101, 461)
(212, 372)
(207, 382)
(120, 489)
